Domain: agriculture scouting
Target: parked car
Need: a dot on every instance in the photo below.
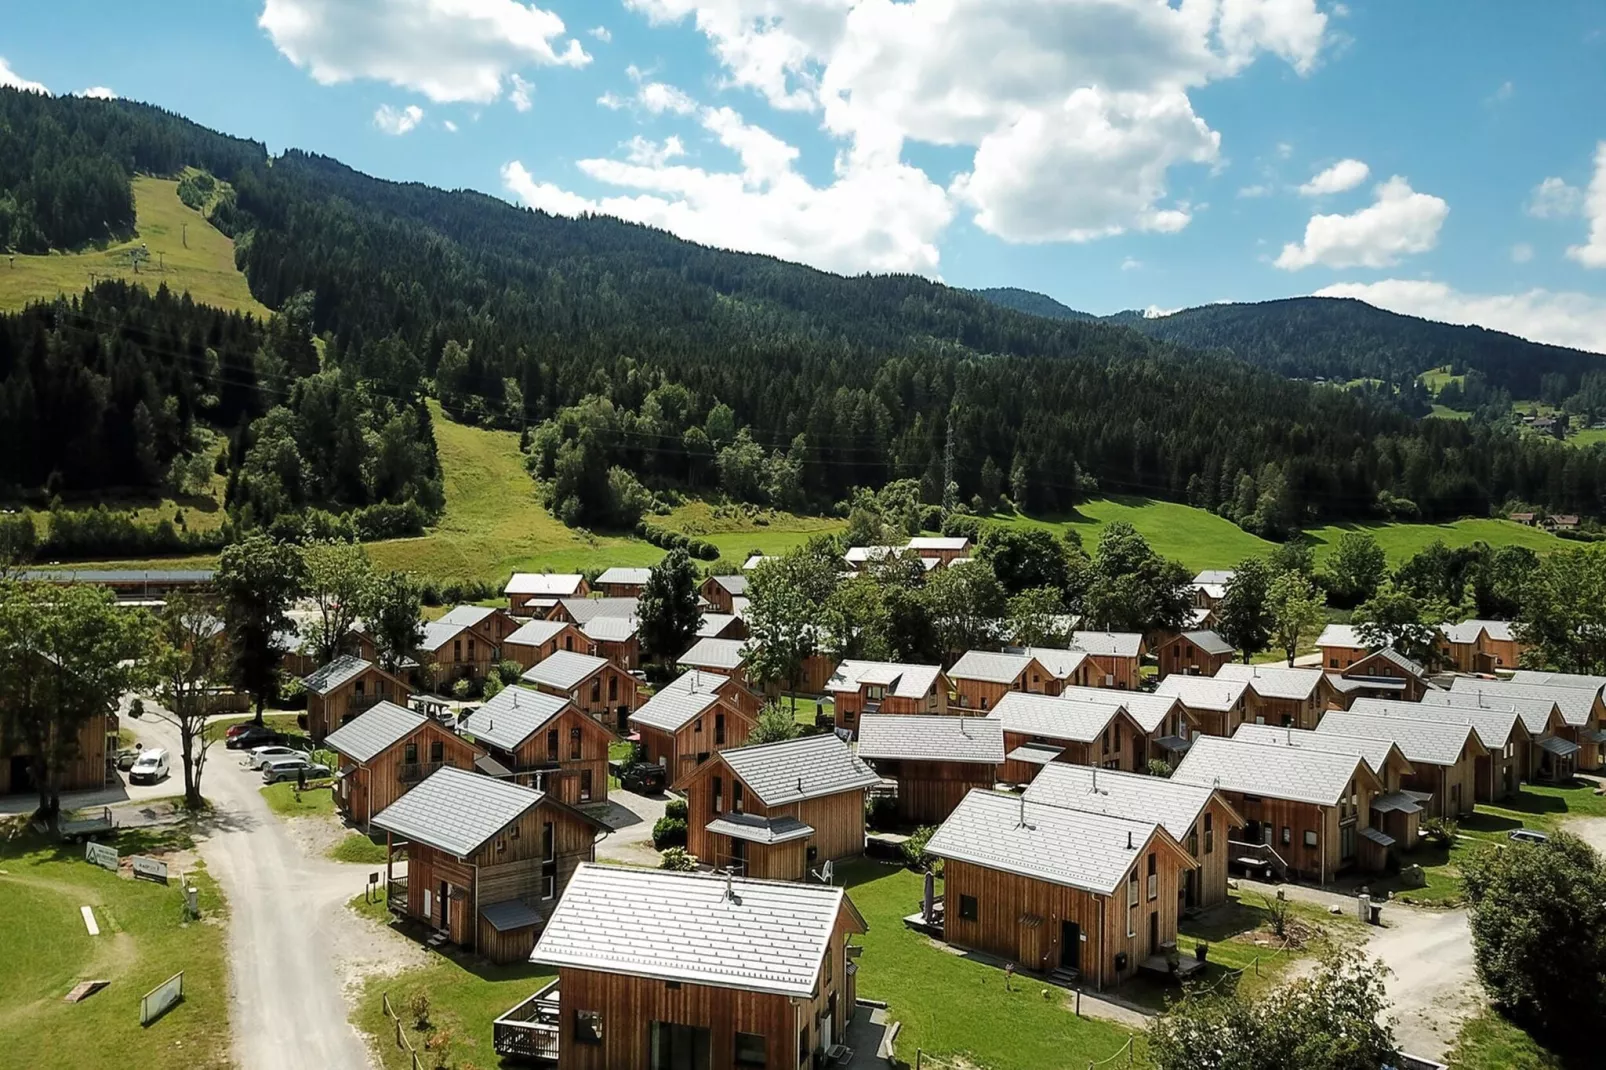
(1527, 836)
(644, 778)
(127, 757)
(276, 771)
(149, 767)
(246, 736)
(261, 756)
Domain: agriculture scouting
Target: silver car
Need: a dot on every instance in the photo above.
(258, 757)
(277, 771)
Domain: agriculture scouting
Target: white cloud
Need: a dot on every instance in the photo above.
(12, 80)
(1592, 254)
(449, 50)
(450, 127)
(1400, 222)
(1521, 253)
(1565, 319)
(1554, 199)
(519, 95)
(612, 101)
(1154, 312)
(1504, 93)
(649, 153)
(1251, 192)
(657, 97)
(1284, 150)
(601, 33)
(98, 92)
(398, 121)
(1131, 263)
(1343, 175)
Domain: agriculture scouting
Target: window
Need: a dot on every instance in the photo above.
(1288, 835)
(457, 650)
(1154, 878)
(719, 729)
(549, 886)
(1210, 835)
(1193, 842)
(750, 1050)
(967, 907)
(1332, 663)
(1106, 742)
(803, 1051)
(513, 833)
(716, 801)
(471, 648)
(613, 688)
(437, 751)
(574, 744)
(501, 845)
(552, 745)
(588, 1027)
(736, 796)
(1132, 889)
(549, 843)
(596, 690)
(1310, 837)
(829, 954)
(410, 754)
(585, 785)
(697, 727)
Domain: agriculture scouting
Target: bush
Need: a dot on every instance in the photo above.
(493, 687)
(880, 811)
(675, 808)
(931, 518)
(1441, 829)
(669, 832)
(1158, 767)
(678, 860)
(464, 689)
(914, 848)
(509, 671)
(959, 525)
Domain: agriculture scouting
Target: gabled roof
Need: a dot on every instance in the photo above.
(456, 811)
(1217, 693)
(1377, 752)
(1273, 681)
(1148, 709)
(512, 716)
(467, 616)
(1343, 635)
(564, 669)
(437, 633)
(1536, 713)
(698, 680)
(535, 632)
(1394, 657)
(715, 654)
(1210, 642)
(732, 584)
(1423, 742)
(1558, 679)
(1059, 663)
(672, 709)
(698, 928)
(1219, 577)
(587, 609)
(954, 543)
(1090, 851)
(610, 629)
(797, 769)
(1468, 630)
(858, 555)
(621, 575)
(1495, 728)
(714, 623)
(1134, 796)
(989, 667)
(1292, 773)
(341, 670)
(741, 606)
(549, 584)
(901, 681)
(1108, 644)
(755, 560)
(930, 738)
(374, 731)
(1576, 703)
(1054, 717)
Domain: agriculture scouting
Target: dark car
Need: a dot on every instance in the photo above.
(644, 779)
(244, 737)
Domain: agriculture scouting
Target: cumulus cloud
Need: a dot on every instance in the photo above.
(1399, 223)
(98, 92)
(12, 80)
(658, 97)
(1558, 318)
(1592, 254)
(519, 94)
(648, 153)
(1554, 199)
(398, 121)
(1343, 175)
(601, 33)
(449, 50)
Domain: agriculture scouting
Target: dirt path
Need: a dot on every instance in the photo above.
(1592, 830)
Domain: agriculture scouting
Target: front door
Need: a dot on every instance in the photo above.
(828, 1024)
(1154, 931)
(445, 900)
(1070, 945)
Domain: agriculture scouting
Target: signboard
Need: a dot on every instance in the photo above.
(101, 855)
(160, 998)
(150, 869)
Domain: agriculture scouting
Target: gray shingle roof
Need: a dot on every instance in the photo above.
(586, 609)
(456, 811)
(1133, 796)
(512, 716)
(714, 623)
(1559, 679)
(437, 633)
(1422, 742)
(550, 584)
(953, 543)
(120, 575)
(1292, 773)
(1340, 635)
(1467, 631)
(1053, 717)
(755, 829)
(1210, 642)
(1219, 577)
(1376, 751)
(1273, 681)
(341, 670)
(1059, 663)
(736, 585)
(620, 574)
(672, 709)
(1203, 692)
(368, 734)
(769, 936)
(535, 632)
(798, 769)
(1075, 848)
(467, 616)
(931, 738)
(1393, 656)
(1575, 703)
(1148, 709)
(1536, 713)
(1494, 727)
(715, 654)
(989, 667)
(1108, 644)
(609, 629)
(511, 914)
(1035, 753)
(901, 681)
(563, 669)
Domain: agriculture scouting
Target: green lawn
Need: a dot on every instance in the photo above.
(1489, 1042)
(809, 709)
(143, 940)
(374, 909)
(358, 848)
(1589, 436)
(1400, 541)
(286, 801)
(1444, 412)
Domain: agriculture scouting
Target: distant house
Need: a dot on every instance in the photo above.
(1341, 646)
(496, 624)
(620, 582)
(1284, 696)
(1196, 817)
(597, 686)
(1384, 673)
(457, 652)
(1064, 891)
(727, 658)
(1039, 729)
(1526, 519)
(720, 592)
(1116, 657)
(618, 639)
(859, 687)
(1562, 522)
(1065, 668)
(755, 560)
(1200, 619)
(691, 719)
(1166, 724)
(980, 678)
(386, 751)
(1444, 755)
(934, 759)
(1481, 646)
(1196, 653)
(1215, 705)
(945, 549)
(1581, 710)
(581, 611)
(1210, 587)
(534, 593)
(1548, 757)
(89, 765)
(778, 810)
(659, 969)
(722, 626)
(537, 640)
(546, 742)
(345, 687)
(1506, 740)
(487, 860)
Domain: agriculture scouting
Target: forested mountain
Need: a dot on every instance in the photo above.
(1033, 303)
(625, 349)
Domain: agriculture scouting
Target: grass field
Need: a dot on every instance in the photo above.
(358, 848)
(186, 252)
(1489, 1042)
(284, 800)
(143, 940)
(1400, 541)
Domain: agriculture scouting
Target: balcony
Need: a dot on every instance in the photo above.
(413, 772)
(530, 1030)
(362, 703)
(396, 896)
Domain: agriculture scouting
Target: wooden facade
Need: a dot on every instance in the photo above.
(1114, 671)
(1316, 842)
(875, 698)
(88, 769)
(713, 789)
(719, 595)
(722, 725)
(470, 654)
(1339, 657)
(608, 695)
(971, 693)
(1119, 746)
(364, 788)
(567, 638)
(327, 712)
(928, 791)
(1181, 654)
(568, 755)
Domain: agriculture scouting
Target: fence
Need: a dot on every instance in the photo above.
(1125, 1054)
(401, 1033)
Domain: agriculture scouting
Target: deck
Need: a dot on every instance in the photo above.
(530, 1030)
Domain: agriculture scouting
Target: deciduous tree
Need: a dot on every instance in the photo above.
(392, 618)
(191, 660)
(1394, 618)
(1296, 611)
(1245, 612)
(1355, 568)
(1563, 618)
(338, 578)
(669, 611)
(258, 580)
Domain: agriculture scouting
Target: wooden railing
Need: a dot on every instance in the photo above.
(396, 896)
(1257, 854)
(530, 1030)
(412, 772)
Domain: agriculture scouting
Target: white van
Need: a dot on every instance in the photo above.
(149, 767)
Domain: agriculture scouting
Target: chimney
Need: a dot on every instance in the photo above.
(730, 889)
(1130, 846)
(800, 785)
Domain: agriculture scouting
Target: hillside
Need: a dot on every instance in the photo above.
(1034, 304)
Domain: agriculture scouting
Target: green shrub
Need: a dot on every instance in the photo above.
(675, 808)
(464, 689)
(493, 687)
(678, 860)
(509, 671)
(914, 848)
(669, 832)
(880, 811)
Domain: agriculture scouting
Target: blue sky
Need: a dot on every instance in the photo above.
(1438, 157)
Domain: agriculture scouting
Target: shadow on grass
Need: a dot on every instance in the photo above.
(1528, 802)
(1487, 823)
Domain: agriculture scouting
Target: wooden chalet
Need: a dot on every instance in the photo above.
(1282, 696)
(725, 626)
(1065, 668)
(1210, 587)
(935, 760)
(1164, 721)
(1341, 647)
(721, 592)
(665, 970)
(618, 639)
(345, 687)
(1548, 757)
(495, 624)
(1200, 619)
(980, 678)
(487, 860)
(1072, 893)
(1306, 812)
(386, 751)
(1216, 706)
(1499, 772)
(1443, 754)
(727, 658)
(1197, 817)
(535, 593)
(455, 652)
(1480, 646)
(1580, 707)
(545, 742)
(619, 582)
(1195, 653)
(689, 720)
(1039, 729)
(1385, 674)
(536, 640)
(778, 810)
(944, 549)
(595, 685)
(581, 611)
(859, 687)
(91, 765)
(1115, 657)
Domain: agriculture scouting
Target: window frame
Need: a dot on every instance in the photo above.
(969, 908)
(588, 1027)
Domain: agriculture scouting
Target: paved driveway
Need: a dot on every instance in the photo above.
(631, 817)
